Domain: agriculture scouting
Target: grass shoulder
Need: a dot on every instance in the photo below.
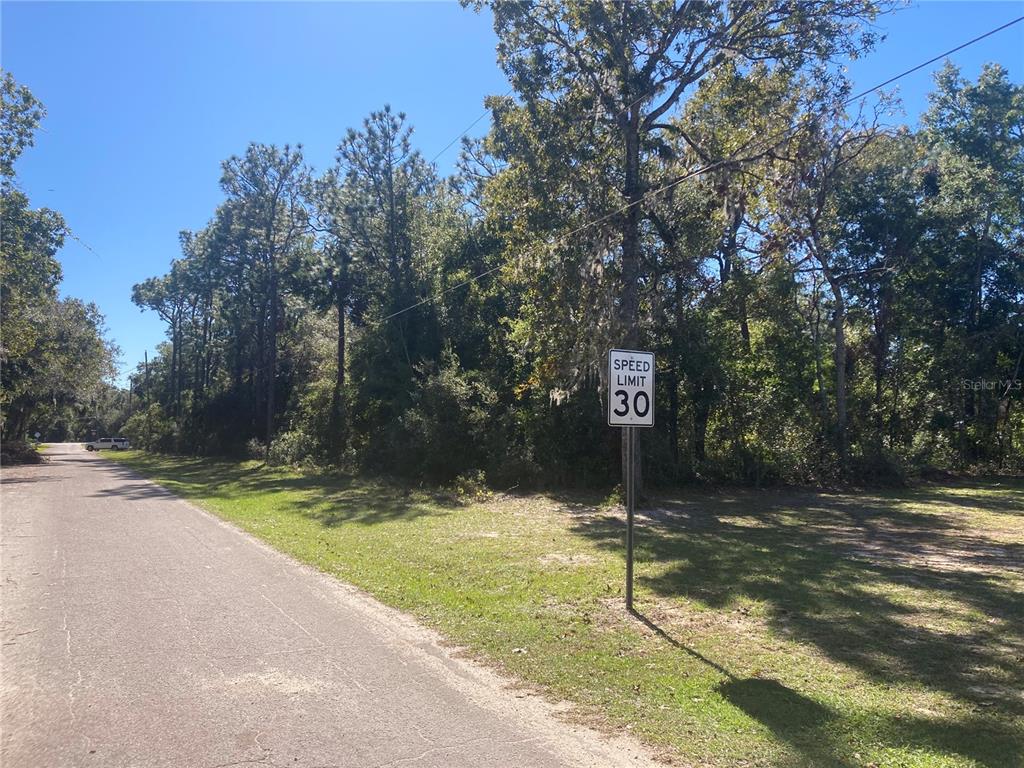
(776, 628)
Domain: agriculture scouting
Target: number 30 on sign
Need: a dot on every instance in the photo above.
(630, 388)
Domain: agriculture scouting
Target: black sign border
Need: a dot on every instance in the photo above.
(608, 410)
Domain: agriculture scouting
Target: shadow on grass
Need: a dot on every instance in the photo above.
(330, 500)
(791, 717)
(810, 727)
(834, 573)
(678, 645)
(831, 571)
(983, 503)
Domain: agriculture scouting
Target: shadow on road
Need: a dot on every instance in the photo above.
(22, 479)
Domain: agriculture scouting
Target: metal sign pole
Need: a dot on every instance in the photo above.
(630, 508)
(630, 405)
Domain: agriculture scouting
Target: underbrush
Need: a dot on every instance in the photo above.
(17, 452)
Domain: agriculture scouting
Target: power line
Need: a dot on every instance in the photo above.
(468, 128)
(491, 271)
(688, 175)
(436, 296)
(84, 244)
(936, 58)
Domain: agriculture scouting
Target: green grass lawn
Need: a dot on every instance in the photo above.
(776, 628)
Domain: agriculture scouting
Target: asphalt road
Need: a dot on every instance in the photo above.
(138, 630)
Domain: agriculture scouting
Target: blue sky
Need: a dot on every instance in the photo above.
(146, 99)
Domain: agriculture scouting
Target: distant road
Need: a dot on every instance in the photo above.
(139, 631)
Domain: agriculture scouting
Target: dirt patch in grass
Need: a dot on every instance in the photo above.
(566, 560)
(772, 628)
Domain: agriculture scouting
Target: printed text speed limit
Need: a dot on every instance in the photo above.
(630, 388)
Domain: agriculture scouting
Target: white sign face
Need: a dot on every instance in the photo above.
(630, 388)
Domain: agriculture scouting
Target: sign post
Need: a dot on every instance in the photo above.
(630, 405)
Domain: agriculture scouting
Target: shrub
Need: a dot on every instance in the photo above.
(17, 452)
(291, 447)
(254, 449)
(514, 471)
(450, 428)
(469, 486)
(569, 440)
(876, 468)
(151, 429)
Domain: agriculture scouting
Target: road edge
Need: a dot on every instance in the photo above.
(479, 681)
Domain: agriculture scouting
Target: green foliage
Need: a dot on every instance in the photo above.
(838, 302)
(783, 628)
(29, 239)
(151, 429)
(29, 271)
(289, 449)
(20, 115)
(452, 426)
(55, 364)
(68, 368)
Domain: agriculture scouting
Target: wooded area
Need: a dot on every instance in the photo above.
(829, 297)
(56, 367)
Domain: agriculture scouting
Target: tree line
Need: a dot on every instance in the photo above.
(56, 365)
(829, 297)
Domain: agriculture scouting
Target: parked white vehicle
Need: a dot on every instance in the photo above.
(113, 443)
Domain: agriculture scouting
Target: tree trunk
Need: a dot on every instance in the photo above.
(701, 415)
(819, 366)
(730, 263)
(893, 424)
(180, 375)
(744, 321)
(673, 414)
(880, 352)
(238, 363)
(339, 417)
(977, 284)
(17, 431)
(839, 323)
(258, 387)
(271, 372)
(174, 363)
(629, 306)
(676, 366)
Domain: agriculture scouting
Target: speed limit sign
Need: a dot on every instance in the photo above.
(630, 388)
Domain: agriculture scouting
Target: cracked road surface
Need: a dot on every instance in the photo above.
(139, 631)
